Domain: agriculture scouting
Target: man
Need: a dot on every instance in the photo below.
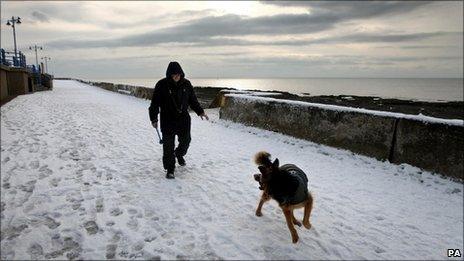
(173, 95)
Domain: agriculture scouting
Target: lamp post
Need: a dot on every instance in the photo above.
(13, 21)
(35, 48)
(45, 58)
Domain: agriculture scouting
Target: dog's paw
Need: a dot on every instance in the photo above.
(295, 239)
(296, 222)
(259, 214)
(307, 225)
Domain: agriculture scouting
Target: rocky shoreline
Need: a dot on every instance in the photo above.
(445, 110)
(207, 95)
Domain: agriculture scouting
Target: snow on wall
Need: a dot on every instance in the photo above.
(252, 93)
(420, 117)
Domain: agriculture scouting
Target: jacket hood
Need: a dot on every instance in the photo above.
(174, 68)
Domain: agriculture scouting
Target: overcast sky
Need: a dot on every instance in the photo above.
(242, 39)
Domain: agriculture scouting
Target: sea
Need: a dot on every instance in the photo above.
(417, 89)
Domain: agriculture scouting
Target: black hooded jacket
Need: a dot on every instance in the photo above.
(173, 99)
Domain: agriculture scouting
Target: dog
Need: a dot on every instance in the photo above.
(288, 185)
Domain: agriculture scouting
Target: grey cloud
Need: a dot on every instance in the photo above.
(153, 19)
(199, 40)
(416, 58)
(354, 9)
(352, 38)
(313, 62)
(238, 25)
(429, 46)
(41, 17)
(221, 53)
(123, 59)
(338, 60)
(66, 11)
(139, 58)
(206, 30)
(381, 37)
(190, 13)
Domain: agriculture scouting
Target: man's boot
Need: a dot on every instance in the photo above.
(180, 160)
(170, 174)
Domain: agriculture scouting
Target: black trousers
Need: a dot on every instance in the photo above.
(183, 137)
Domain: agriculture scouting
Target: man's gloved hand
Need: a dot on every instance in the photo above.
(204, 115)
(154, 124)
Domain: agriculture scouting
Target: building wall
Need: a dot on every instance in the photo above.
(3, 84)
(17, 81)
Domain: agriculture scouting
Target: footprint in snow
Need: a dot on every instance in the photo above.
(133, 224)
(115, 212)
(91, 227)
(44, 172)
(36, 251)
(99, 205)
(138, 246)
(111, 251)
(150, 238)
(132, 211)
(34, 164)
(379, 250)
(51, 223)
(54, 182)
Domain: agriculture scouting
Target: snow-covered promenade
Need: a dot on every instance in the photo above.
(81, 178)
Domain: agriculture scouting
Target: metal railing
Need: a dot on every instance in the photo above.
(9, 59)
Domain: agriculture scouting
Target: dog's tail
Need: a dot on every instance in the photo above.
(263, 158)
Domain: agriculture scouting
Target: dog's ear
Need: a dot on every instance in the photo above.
(275, 164)
(262, 169)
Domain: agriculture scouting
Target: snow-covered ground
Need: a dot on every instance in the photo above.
(81, 177)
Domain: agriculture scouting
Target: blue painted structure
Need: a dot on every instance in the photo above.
(9, 59)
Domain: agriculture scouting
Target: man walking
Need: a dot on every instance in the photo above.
(174, 94)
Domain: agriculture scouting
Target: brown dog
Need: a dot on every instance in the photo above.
(288, 185)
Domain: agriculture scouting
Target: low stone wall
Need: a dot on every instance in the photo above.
(433, 146)
(205, 95)
(137, 91)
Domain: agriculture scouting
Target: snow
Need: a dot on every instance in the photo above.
(252, 93)
(419, 117)
(124, 92)
(347, 98)
(81, 177)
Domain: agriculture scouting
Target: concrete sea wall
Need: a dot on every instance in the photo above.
(431, 144)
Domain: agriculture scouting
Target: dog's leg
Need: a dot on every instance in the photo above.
(288, 217)
(264, 198)
(295, 221)
(307, 211)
